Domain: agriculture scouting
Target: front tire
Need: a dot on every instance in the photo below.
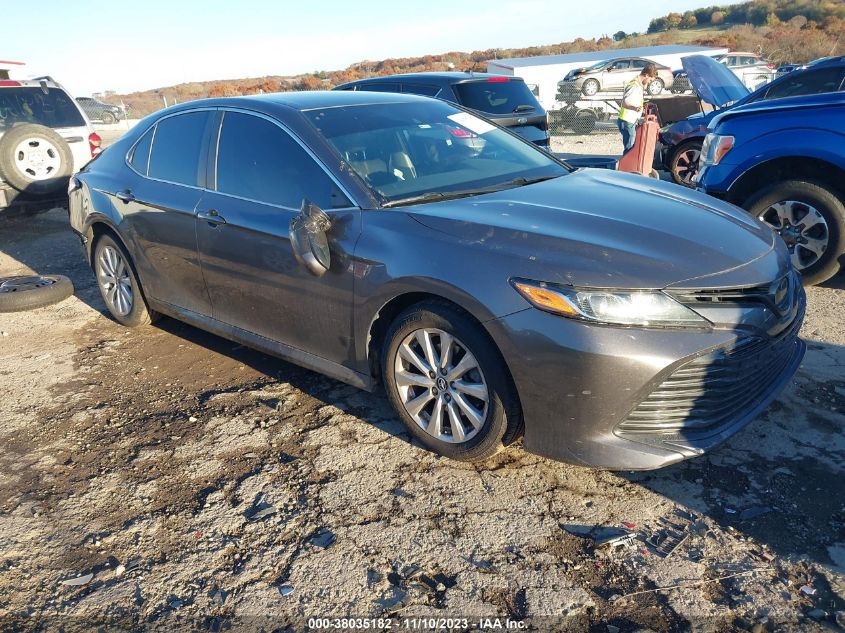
(590, 87)
(108, 118)
(684, 163)
(810, 219)
(118, 284)
(449, 384)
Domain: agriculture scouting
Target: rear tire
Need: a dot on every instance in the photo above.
(118, 284)
(655, 86)
(584, 122)
(485, 390)
(817, 217)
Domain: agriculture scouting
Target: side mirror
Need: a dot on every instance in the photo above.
(309, 240)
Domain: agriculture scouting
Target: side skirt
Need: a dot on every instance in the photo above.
(268, 346)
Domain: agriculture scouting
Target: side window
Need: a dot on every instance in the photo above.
(382, 86)
(638, 64)
(141, 153)
(258, 160)
(177, 152)
(807, 83)
(623, 65)
(421, 89)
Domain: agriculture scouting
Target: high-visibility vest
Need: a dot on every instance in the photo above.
(627, 114)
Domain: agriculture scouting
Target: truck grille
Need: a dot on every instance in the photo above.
(717, 389)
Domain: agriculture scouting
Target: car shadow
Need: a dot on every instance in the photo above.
(776, 482)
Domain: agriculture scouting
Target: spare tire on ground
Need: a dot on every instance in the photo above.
(27, 293)
(34, 159)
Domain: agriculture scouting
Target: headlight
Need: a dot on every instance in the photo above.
(637, 307)
(714, 148)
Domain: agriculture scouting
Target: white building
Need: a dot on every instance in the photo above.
(545, 71)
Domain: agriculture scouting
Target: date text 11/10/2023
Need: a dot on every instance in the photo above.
(416, 624)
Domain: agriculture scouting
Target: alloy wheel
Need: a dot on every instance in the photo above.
(113, 277)
(686, 166)
(441, 385)
(802, 227)
(37, 158)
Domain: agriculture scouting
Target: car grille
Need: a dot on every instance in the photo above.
(717, 389)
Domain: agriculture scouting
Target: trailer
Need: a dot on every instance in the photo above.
(545, 71)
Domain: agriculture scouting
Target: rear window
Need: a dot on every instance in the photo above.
(807, 82)
(178, 148)
(495, 97)
(53, 108)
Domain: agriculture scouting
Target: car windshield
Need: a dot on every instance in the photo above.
(53, 108)
(597, 65)
(496, 95)
(404, 151)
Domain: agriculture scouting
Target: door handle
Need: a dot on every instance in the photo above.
(125, 196)
(212, 217)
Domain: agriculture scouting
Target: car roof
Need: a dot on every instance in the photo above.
(451, 77)
(302, 101)
(38, 82)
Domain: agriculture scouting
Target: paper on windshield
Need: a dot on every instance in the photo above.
(472, 123)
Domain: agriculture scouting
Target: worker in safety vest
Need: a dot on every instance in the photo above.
(633, 100)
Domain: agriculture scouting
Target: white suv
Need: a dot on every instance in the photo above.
(44, 138)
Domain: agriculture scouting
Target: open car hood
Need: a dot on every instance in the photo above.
(714, 83)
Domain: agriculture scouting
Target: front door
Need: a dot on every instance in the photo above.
(262, 174)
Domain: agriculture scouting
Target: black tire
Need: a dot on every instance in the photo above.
(680, 167)
(140, 313)
(829, 206)
(30, 182)
(502, 423)
(590, 87)
(108, 118)
(655, 86)
(27, 293)
(584, 122)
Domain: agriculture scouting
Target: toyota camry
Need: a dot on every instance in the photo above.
(495, 292)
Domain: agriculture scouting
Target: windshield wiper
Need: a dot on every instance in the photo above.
(524, 108)
(522, 180)
(433, 196)
(436, 196)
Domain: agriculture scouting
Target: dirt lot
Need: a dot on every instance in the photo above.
(208, 486)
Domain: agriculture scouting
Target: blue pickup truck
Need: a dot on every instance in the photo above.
(784, 162)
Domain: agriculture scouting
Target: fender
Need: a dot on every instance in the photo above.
(797, 143)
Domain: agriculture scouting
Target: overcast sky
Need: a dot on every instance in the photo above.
(134, 45)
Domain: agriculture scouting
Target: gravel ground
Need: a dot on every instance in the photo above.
(204, 485)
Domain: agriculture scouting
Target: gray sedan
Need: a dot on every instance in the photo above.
(495, 292)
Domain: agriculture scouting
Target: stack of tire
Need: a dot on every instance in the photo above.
(29, 292)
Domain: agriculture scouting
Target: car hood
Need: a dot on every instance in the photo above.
(715, 83)
(606, 229)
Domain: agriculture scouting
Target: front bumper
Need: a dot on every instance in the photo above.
(588, 392)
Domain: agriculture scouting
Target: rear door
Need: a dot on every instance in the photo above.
(260, 175)
(158, 206)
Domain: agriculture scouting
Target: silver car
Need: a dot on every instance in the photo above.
(612, 75)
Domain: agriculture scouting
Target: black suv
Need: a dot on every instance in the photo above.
(502, 99)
